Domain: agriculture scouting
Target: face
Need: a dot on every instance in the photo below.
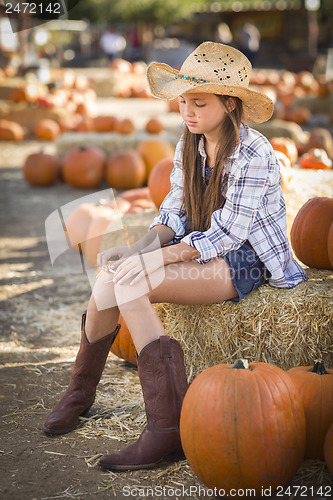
(202, 113)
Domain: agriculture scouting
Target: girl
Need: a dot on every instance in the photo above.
(220, 233)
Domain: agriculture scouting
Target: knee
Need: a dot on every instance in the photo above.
(103, 291)
(131, 297)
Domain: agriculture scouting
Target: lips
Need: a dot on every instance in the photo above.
(191, 124)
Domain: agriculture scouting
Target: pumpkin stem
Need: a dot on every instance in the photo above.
(241, 363)
(319, 368)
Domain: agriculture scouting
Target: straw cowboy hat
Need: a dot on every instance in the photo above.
(212, 68)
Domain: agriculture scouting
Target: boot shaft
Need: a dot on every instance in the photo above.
(163, 380)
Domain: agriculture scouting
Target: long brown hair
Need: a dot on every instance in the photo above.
(199, 200)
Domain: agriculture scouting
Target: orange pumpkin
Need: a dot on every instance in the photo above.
(140, 205)
(78, 222)
(101, 220)
(285, 169)
(125, 170)
(83, 167)
(41, 169)
(316, 158)
(123, 346)
(125, 127)
(159, 180)
(105, 123)
(243, 428)
(286, 146)
(154, 126)
(86, 124)
(47, 129)
(11, 131)
(314, 385)
(328, 449)
(310, 232)
(154, 150)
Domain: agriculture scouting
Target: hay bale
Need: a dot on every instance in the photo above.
(281, 128)
(28, 115)
(286, 327)
(109, 142)
(114, 83)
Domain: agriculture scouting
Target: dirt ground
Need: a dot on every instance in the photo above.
(40, 312)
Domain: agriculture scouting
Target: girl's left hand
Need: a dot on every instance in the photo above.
(137, 267)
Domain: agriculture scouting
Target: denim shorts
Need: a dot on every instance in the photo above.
(247, 270)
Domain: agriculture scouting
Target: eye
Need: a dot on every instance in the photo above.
(200, 105)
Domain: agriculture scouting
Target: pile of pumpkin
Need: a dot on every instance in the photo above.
(86, 167)
(287, 86)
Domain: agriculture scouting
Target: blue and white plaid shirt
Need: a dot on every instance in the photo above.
(254, 210)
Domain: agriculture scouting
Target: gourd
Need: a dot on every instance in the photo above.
(154, 150)
(125, 127)
(123, 346)
(159, 180)
(105, 123)
(314, 385)
(311, 234)
(78, 222)
(286, 146)
(243, 427)
(101, 220)
(41, 169)
(125, 170)
(316, 159)
(47, 129)
(83, 167)
(328, 449)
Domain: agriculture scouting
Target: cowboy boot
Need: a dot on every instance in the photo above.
(164, 384)
(86, 374)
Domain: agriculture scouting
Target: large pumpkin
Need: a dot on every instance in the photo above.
(154, 150)
(78, 222)
(83, 167)
(315, 387)
(41, 169)
(159, 180)
(243, 428)
(328, 449)
(125, 170)
(123, 346)
(310, 233)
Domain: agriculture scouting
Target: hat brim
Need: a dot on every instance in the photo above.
(258, 107)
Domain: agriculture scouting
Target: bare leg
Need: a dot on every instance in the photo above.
(102, 311)
(184, 283)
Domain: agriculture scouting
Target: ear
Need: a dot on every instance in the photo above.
(231, 104)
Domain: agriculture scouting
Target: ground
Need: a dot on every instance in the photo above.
(40, 312)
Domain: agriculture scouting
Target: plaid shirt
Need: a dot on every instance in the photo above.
(254, 210)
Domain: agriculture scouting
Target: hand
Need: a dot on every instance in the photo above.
(137, 267)
(114, 253)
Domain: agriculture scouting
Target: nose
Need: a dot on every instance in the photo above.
(188, 109)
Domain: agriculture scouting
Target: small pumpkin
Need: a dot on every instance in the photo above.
(311, 233)
(243, 427)
(105, 123)
(11, 131)
(314, 386)
(140, 205)
(83, 167)
(286, 146)
(132, 195)
(316, 159)
(41, 169)
(123, 346)
(125, 170)
(47, 129)
(154, 150)
(159, 181)
(154, 126)
(125, 127)
(328, 449)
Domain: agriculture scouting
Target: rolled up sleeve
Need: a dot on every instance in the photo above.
(231, 225)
